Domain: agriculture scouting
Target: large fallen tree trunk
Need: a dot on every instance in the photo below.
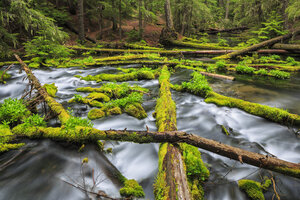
(289, 47)
(84, 134)
(171, 182)
(260, 45)
(57, 108)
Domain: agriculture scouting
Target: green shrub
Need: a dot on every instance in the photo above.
(221, 65)
(45, 48)
(13, 111)
(244, 69)
(197, 85)
(34, 120)
(291, 61)
(280, 74)
(133, 36)
(262, 72)
(211, 69)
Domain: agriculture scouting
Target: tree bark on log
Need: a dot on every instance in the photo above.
(142, 137)
(57, 108)
(218, 76)
(260, 45)
(289, 47)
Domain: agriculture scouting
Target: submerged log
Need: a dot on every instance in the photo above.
(83, 134)
(260, 45)
(57, 108)
(171, 180)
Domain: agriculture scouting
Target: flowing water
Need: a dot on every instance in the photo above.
(46, 170)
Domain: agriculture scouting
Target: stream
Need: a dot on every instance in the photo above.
(45, 169)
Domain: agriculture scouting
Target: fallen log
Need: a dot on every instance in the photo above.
(260, 45)
(171, 182)
(215, 31)
(73, 29)
(289, 47)
(57, 108)
(218, 76)
(83, 134)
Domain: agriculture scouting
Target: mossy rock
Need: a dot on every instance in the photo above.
(132, 189)
(95, 103)
(98, 96)
(51, 89)
(6, 136)
(114, 111)
(96, 114)
(136, 110)
(253, 189)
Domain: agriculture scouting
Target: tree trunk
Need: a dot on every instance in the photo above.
(140, 20)
(120, 19)
(73, 29)
(57, 108)
(114, 21)
(260, 45)
(100, 21)
(284, 14)
(72, 8)
(227, 10)
(291, 47)
(168, 15)
(81, 21)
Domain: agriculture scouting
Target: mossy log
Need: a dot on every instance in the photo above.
(210, 46)
(83, 134)
(230, 30)
(171, 180)
(289, 47)
(260, 45)
(273, 114)
(57, 108)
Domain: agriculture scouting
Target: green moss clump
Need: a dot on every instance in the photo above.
(136, 110)
(51, 89)
(96, 114)
(198, 85)
(6, 136)
(267, 112)
(114, 111)
(132, 189)
(98, 96)
(253, 189)
(280, 74)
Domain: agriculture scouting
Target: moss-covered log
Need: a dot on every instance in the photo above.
(260, 45)
(273, 114)
(171, 182)
(57, 108)
(210, 46)
(83, 134)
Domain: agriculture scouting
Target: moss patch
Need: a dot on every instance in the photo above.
(96, 114)
(253, 189)
(136, 110)
(51, 89)
(132, 189)
(6, 136)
